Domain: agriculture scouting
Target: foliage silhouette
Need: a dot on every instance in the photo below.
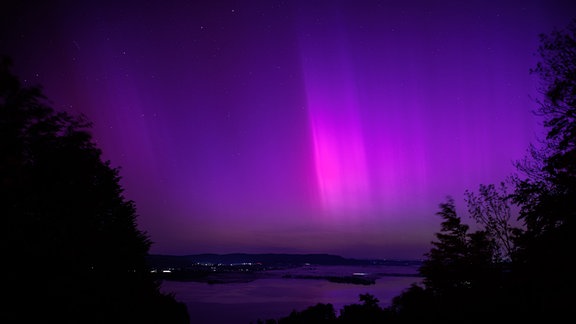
(460, 272)
(319, 313)
(72, 247)
(491, 208)
(367, 312)
(547, 190)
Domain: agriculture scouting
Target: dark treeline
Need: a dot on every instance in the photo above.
(72, 252)
(516, 268)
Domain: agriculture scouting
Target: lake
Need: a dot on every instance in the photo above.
(274, 296)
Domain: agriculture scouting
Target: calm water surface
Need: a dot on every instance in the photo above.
(276, 297)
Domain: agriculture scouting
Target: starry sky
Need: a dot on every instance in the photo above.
(292, 126)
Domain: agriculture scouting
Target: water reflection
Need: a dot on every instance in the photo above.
(276, 297)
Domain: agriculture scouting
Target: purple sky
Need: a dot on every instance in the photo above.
(292, 126)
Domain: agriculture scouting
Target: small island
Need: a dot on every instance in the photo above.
(353, 279)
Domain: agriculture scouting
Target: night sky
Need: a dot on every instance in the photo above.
(292, 126)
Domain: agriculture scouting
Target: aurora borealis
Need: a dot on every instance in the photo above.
(292, 126)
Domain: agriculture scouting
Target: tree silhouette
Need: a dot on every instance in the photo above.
(445, 263)
(547, 190)
(459, 270)
(367, 312)
(414, 305)
(319, 313)
(491, 208)
(73, 252)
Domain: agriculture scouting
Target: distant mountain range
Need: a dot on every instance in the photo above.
(270, 259)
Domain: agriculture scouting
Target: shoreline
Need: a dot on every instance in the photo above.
(228, 277)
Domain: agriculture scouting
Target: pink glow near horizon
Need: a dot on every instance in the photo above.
(338, 142)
